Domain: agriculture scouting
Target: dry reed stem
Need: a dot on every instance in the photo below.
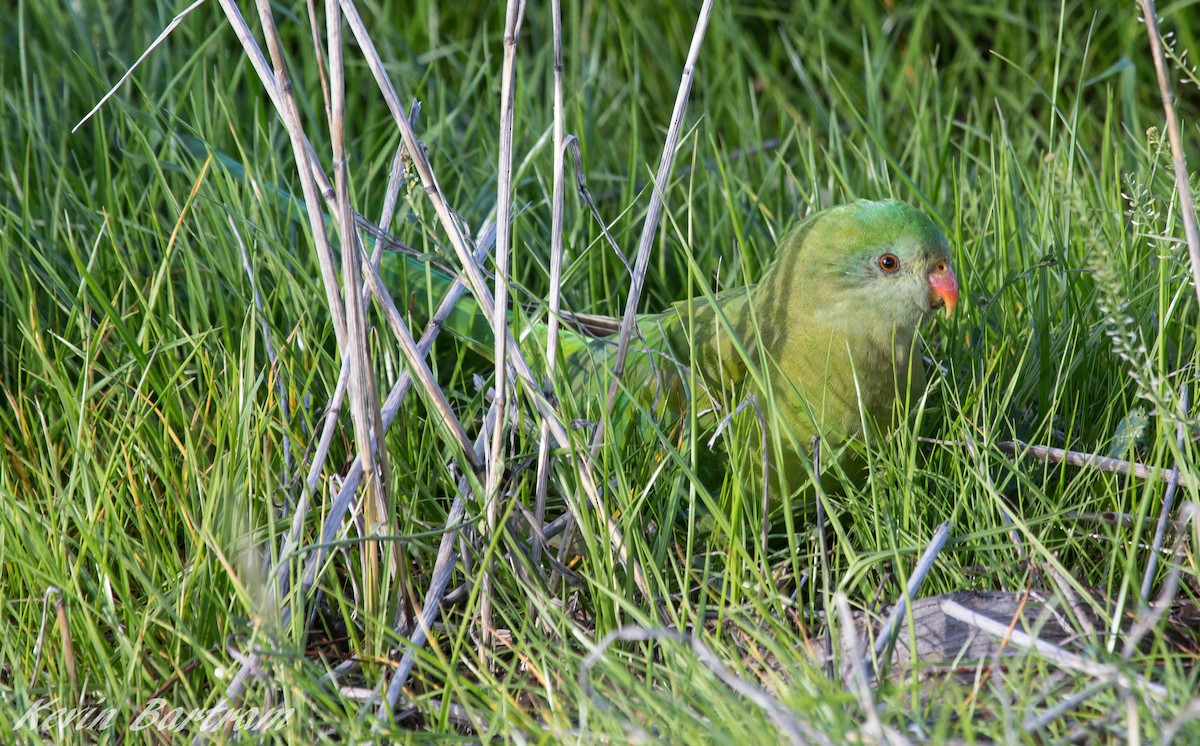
(900, 608)
(341, 502)
(858, 680)
(364, 398)
(285, 106)
(483, 296)
(333, 409)
(1090, 460)
(1051, 652)
(178, 19)
(790, 726)
(555, 299)
(1187, 209)
(1164, 516)
(442, 569)
(495, 462)
(653, 213)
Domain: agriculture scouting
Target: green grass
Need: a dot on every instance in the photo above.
(142, 470)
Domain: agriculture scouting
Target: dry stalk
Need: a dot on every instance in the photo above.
(900, 608)
(1091, 461)
(1164, 517)
(653, 213)
(858, 679)
(442, 569)
(364, 398)
(341, 503)
(790, 726)
(1051, 652)
(178, 19)
(1187, 209)
(556, 260)
(495, 461)
(483, 295)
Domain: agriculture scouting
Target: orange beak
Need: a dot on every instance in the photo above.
(943, 288)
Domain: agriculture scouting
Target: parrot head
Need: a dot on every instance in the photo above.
(877, 263)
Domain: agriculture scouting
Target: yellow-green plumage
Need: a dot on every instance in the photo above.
(827, 326)
(830, 326)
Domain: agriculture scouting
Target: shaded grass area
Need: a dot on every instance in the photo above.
(142, 471)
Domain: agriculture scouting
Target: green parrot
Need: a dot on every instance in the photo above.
(830, 327)
(828, 332)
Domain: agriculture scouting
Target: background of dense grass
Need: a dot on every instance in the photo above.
(140, 458)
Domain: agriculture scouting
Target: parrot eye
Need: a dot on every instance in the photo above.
(889, 262)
